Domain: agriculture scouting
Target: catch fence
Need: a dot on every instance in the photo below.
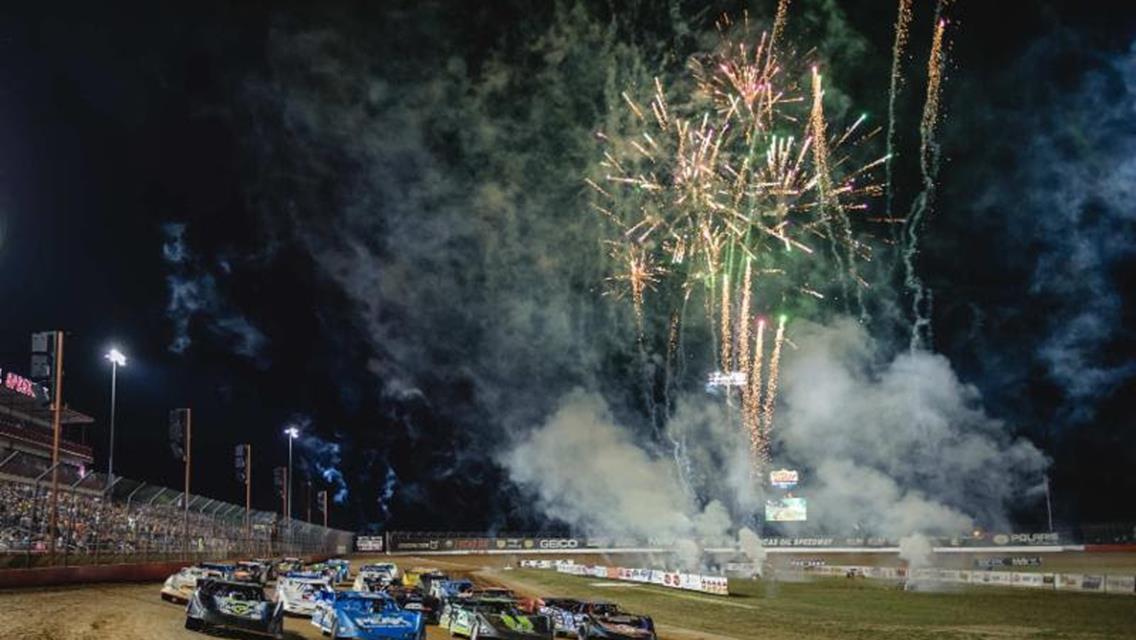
(102, 522)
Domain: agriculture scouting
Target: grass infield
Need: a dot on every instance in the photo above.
(843, 608)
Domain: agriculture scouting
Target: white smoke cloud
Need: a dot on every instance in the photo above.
(585, 470)
(887, 447)
(898, 445)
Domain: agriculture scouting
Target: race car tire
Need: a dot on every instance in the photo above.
(475, 634)
(582, 633)
(193, 624)
(334, 633)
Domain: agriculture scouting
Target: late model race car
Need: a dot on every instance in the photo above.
(411, 576)
(366, 616)
(298, 591)
(413, 599)
(562, 612)
(233, 605)
(179, 586)
(446, 589)
(342, 569)
(370, 575)
(606, 620)
(498, 618)
(250, 571)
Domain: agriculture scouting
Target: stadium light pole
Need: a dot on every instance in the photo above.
(117, 359)
(292, 433)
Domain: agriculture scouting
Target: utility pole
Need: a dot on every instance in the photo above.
(308, 495)
(1048, 504)
(56, 428)
(188, 460)
(324, 496)
(248, 491)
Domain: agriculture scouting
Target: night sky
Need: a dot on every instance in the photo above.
(364, 197)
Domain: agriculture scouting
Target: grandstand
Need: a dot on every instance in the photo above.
(120, 521)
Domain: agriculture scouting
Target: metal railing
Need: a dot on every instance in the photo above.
(103, 522)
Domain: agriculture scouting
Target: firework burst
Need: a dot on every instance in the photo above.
(740, 191)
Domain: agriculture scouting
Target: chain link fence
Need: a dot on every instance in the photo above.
(102, 522)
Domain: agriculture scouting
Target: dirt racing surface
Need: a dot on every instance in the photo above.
(135, 611)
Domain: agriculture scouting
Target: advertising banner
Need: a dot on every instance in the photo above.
(786, 510)
(368, 543)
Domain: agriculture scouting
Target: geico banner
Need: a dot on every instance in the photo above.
(559, 543)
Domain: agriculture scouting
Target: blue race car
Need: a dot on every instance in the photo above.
(342, 568)
(449, 589)
(366, 616)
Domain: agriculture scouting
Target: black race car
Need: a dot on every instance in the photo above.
(414, 599)
(233, 605)
(606, 620)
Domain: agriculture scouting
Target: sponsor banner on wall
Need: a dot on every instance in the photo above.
(416, 545)
(1120, 584)
(1008, 561)
(368, 543)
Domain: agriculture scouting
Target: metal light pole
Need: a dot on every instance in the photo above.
(117, 359)
(292, 433)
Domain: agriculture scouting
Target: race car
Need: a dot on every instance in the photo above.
(250, 571)
(427, 580)
(447, 589)
(606, 620)
(297, 591)
(493, 592)
(342, 567)
(413, 599)
(233, 605)
(179, 586)
(269, 567)
(371, 574)
(414, 577)
(388, 568)
(561, 611)
(493, 618)
(284, 565)
(351, 614)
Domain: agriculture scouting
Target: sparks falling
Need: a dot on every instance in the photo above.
(921, 297)
(902, 27)
(742, 194)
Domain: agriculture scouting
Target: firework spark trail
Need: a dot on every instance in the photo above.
(779, 20)
(902, 27)
(921, 297)
(770, 399)
(741, 357)
(727, 340)
(836, 219)
(752, 404)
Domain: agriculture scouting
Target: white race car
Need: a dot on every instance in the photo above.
(373, 577)
(179, 586)
(388, 568)
(298, 591)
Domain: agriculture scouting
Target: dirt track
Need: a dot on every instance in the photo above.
(135, 612)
